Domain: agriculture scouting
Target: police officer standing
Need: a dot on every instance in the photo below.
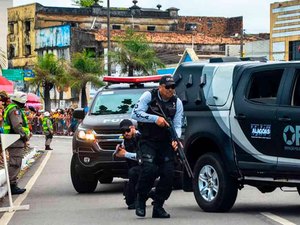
(15, 122)
(156, 146)
(48, 130)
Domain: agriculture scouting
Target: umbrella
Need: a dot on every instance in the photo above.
(6, 85)
(33, 98)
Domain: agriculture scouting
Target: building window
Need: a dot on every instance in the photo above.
(27, 49)
(150, 28)
(11, 28)
(27, 26)
(11, 52)
(190, 26)
(209, 24)
(116, 27)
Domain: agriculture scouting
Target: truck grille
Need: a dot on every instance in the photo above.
(108, 145)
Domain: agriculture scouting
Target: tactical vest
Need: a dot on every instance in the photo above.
(151, 131)
(7, 126)
(131, 145)
(45, 126)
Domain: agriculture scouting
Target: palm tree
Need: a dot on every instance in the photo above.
(86, 3)
(49, 71)
(135, 54)
(85, 69)
(2, 59)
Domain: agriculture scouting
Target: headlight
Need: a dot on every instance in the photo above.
(88, 135)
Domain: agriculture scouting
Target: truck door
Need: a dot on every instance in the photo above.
(253, 120)
(289, 126)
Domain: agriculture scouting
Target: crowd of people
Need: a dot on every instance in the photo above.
(62, 120)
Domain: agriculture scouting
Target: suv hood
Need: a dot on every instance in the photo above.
(103, 121)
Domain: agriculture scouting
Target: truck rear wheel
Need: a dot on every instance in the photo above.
(214, 189)
(81, 184)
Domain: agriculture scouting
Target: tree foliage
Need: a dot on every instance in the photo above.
(86, 3)
(85, 68)
(134, 53)
(49, 72)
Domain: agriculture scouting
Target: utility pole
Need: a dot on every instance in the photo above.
(242, 43)
(108, 39)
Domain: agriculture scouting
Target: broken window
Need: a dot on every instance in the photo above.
(27, 50)
(11, 52)
(190, 26)
(150, 28)
(11, 28)
(116, 27)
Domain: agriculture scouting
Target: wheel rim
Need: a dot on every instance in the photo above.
(208, 183)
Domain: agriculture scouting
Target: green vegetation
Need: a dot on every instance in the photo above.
(134, 53)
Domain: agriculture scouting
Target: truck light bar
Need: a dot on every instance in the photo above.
(132, 80)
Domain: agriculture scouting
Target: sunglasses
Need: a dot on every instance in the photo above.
(126, 130)
(172, 86)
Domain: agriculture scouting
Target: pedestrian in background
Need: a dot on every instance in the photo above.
(48, 130)
(156, 145)
(15, 122)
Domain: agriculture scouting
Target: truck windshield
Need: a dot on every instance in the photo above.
(115, 102)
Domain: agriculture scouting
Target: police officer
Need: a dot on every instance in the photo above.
(156, 146)
(48, 130)
(15, 122)
(129, 144)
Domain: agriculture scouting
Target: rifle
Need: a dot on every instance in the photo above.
(180, 152)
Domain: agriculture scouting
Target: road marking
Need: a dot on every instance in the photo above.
(277, 219)
(8, 215)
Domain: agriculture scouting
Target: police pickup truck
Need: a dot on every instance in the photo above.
(243, 128)
(98, 134)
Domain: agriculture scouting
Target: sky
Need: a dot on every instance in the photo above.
(256, 13)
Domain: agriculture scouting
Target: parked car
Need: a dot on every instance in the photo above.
(243, 128)
(97, 136)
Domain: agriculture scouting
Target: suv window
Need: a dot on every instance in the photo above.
(264, 86)
(221, 86)
(296, 90)
(115, 102)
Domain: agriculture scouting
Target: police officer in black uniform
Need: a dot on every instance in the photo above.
(156, 146)
(129, 145)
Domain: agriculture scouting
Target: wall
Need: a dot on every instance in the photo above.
(257, 48)
(3, 24)
(19, 37)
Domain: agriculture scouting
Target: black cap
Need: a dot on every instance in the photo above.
(167, 80)
(125, 124)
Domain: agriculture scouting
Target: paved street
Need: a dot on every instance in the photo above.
(53, 200)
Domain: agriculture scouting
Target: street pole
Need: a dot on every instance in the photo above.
(242, 43)
(108, 39)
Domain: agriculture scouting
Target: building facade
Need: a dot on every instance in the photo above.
(285, 30)
(5, 4)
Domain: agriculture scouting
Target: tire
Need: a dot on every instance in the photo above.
(80, 184)
(219, 190)
(106, 180)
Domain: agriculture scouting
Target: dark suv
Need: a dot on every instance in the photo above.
(243, 128)
(97, 136)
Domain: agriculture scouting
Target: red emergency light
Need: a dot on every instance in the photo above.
(132, 80)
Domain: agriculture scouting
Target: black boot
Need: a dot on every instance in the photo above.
(140, 207)
(15, 190)
(48, 147)
(159, 211)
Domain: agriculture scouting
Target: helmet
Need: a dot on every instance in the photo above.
(19, 97)
(46, 113)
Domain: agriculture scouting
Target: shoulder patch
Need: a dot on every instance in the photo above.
(17, 112)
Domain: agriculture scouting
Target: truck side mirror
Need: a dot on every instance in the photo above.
(79, 113)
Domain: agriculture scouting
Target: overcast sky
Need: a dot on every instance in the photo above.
(256, 13)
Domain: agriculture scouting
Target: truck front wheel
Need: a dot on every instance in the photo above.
(81, 184)
(214, 189)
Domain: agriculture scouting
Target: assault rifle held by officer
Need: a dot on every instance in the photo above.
(180, 152)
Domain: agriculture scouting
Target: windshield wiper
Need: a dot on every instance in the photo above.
(96, 113)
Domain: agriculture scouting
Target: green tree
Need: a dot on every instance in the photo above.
(2, 59)
(134, 53)
(85, 68)
(49, 71)
(86, 3)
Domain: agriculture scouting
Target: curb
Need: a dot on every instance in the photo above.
(54, 137)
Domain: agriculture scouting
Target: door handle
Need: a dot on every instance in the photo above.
(284, 119)
(240, 117)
